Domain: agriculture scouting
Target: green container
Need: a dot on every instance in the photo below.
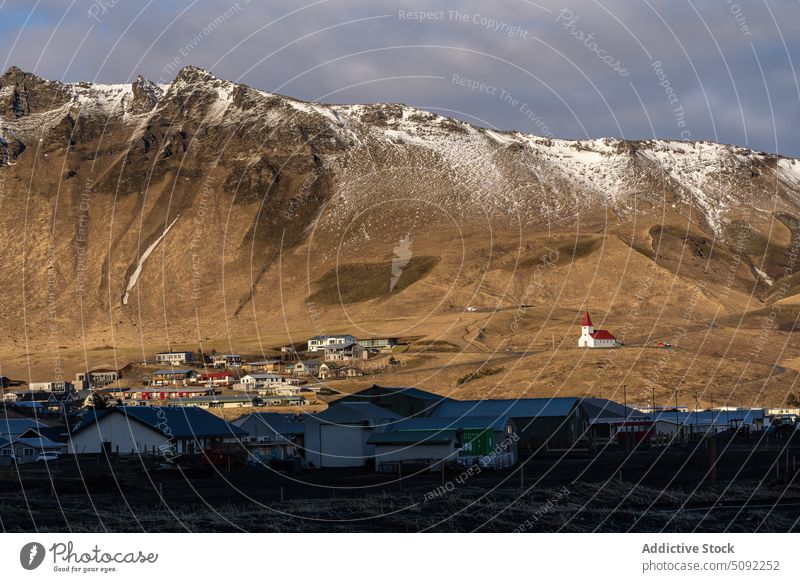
(477, 442)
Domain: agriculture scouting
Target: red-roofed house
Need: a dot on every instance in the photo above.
(591, 338)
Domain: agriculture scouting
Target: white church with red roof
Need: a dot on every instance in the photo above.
(592, 338)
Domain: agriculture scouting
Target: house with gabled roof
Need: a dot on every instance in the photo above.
(272, 436)
(321, 342)
(150, 430)
(14, 427)
(173, 377)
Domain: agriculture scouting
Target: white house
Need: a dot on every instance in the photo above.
(227, 361)
(154, 430)
(97, 378)
(269, 384)
(28, 447)
(174, 358)
(320, 342)
(592, 338)
(59, 386)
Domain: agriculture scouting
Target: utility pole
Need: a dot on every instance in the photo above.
(711, 443)
(677, 421)
(625, 424)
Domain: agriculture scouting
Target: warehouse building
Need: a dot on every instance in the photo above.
(542, 424)
(338, 437)
(430, 443)
(404, 402)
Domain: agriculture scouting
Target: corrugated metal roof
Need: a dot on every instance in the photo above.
(17, 426)
(389, 390)
(340, 412)
(422, 437)
(520, 408)
(603, 408)
(466, 422)
(280, 423)
(39, 443)
(178, 421)
(708, 417)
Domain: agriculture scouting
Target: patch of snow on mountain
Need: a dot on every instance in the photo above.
(135, 276)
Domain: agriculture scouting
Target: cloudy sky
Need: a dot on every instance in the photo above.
(686, 69)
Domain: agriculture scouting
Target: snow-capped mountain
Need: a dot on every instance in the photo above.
(148, 194)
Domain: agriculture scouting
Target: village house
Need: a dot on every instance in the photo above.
(591, 338)
(272, 436)
(167, 393)
(378, 343)
(27, 448)
(97, 378)
(281, 401)
(217, 378)
(66, 402)
(153, 430)
(173, 377)
(59, 386)
(13, 427)
(175, 358)
(336, 371)
(343, 352)
(43, 402)
(253, 380)
(330, 370)
(305, 368)
(269, 385)
(223, 401)
(227, 361)
(338, 437)
(274, 365)
(23, 440)
(699, 423)
(320, 342)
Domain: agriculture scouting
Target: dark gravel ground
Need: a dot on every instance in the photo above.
(646, 491)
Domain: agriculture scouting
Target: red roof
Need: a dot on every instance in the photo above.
(587, 321)
(602, 334)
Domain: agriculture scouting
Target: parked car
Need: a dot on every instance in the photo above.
(46, 457)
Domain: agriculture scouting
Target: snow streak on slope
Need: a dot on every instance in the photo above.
(145, 255)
